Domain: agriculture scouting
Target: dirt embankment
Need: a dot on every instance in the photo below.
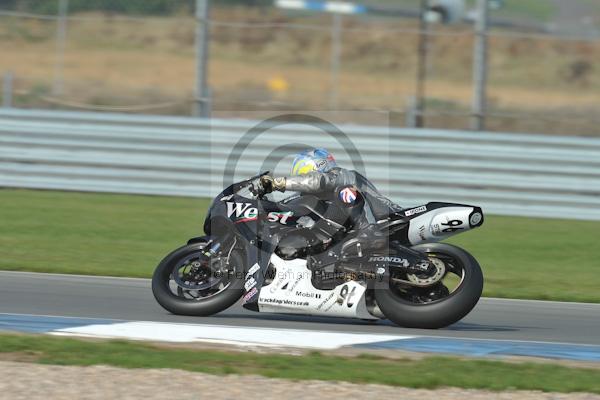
(32, 381)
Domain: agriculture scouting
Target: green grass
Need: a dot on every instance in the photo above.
(432, 372)
(95, 234)
(119, 235)
(533, 258)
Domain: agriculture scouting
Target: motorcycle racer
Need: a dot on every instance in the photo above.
(315, 171)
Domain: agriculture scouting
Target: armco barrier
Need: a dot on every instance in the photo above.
(508, 174)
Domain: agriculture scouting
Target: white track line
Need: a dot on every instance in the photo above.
(240, 336)
(143, 330)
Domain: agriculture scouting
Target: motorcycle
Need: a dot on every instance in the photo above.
(305, 255)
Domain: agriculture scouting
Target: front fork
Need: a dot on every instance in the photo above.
(258, 257)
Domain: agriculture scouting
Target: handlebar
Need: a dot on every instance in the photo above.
(256, 189)
(253, 184)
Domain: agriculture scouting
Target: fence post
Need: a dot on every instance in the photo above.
(411, 112)
(480, 66)
(61, 44)
(7, 89)
(201, 93)
(336, 49)
(422, 65)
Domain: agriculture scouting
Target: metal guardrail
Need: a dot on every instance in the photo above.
(507, 174)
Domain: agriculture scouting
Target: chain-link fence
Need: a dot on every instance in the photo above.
(140, 56)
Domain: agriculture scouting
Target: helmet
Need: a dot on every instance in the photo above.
(313, 160)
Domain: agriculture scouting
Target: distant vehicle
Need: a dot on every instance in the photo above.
(296, 256)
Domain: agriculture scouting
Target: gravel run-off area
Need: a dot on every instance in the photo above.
(33, 381)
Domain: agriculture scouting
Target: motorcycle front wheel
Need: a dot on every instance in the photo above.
(436, 306)
(189, 282)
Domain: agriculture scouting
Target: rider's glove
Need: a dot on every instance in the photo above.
(270, 184)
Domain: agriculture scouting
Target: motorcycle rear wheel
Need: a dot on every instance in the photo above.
(184, 297)
(450, 308)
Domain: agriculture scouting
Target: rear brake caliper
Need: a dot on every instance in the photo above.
(427, 272)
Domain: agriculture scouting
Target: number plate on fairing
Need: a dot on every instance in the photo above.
(292, 292)
(441, 223)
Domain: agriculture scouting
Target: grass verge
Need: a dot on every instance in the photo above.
(121, 235)
(433, 372)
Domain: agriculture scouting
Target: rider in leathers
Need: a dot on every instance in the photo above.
(325, 182)
(316, 172)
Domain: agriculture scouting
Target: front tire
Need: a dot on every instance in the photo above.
(183, 302)
(441, 312)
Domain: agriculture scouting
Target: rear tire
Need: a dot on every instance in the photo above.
(201, 306)
(439, 313)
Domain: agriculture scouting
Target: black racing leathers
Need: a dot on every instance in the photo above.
(377, 206)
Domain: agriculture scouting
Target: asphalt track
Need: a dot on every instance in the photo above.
(132, 300)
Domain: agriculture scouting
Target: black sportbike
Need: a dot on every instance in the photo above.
(305, 255)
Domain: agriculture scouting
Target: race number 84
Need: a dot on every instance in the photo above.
(452, 226)
(347, 296)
